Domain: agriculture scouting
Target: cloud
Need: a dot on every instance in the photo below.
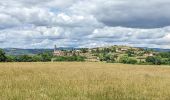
(7, 21)
(84, 23)
(132, 36)
(127, 13)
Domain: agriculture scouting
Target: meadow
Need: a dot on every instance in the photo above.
(83, 81)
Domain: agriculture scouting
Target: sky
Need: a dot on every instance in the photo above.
(84, 23)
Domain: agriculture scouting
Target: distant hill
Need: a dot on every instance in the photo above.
(161, 50)
(17, 51)
(157, 49)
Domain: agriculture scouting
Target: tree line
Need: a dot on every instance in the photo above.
(107, 55)
(42, 57)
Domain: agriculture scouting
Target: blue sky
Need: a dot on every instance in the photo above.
(84, 23)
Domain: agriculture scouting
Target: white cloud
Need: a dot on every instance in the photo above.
(133, 13)
(133, 36)
(84, 23)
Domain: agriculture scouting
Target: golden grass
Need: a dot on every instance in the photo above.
(83, 81)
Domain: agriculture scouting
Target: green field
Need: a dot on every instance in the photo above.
(83, 81)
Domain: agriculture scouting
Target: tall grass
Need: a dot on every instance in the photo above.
(83, 81)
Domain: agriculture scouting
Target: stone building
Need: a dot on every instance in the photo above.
(58, 52)
(66, 52)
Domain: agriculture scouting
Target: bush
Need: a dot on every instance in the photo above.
(165, 61)
(23, 58)
(154, 60)
(37, 58)
(132, 61)
(46, 56)
(84, 50)
(10, 58)
(127, 60)
(123, 59)
(164, 54)
(106, 57)
(130, 53)
(80, 58)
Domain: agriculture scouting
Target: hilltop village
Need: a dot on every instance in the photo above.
(108, 54)
(112, 54)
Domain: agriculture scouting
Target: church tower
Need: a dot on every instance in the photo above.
(55, 48)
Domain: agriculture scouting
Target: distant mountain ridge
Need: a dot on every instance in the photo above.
(161, 50)
(20, 51)
(157, 49)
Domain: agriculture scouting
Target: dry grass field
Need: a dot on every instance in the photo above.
(83, 81)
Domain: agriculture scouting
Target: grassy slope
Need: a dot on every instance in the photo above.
(83, 81)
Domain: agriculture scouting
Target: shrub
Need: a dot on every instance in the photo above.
(23, 58)
(123, 59)
(46, 56)
(127, 60)
(106, 57)
(154, 60)
(10, 58)
(164, 54)
(132, 61)
(37, 58)
(130, 53)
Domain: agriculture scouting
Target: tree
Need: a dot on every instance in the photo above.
(3, 57)
(101, 57)
(154, 60)
(115, 56)
(10, 58)
(113, 49)
(23, 58)
(80, 58)
(164, 54)
(130, 53)
(36, 58)
(84, 50)
(127, 60)
(165, 61)
(123, 59)
(97, 50)
(132, 61)
(112, 59)
(107, 58)
(46, 56)
(106, 50)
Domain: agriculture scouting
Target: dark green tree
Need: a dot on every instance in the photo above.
(10, 58)
(132, 61)
(123, 59)
(3, 57)
(23, 58)
(36, 58)
(154, 60)
(46, 56)
(127, 60)
(84, 50)
(130, 53)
